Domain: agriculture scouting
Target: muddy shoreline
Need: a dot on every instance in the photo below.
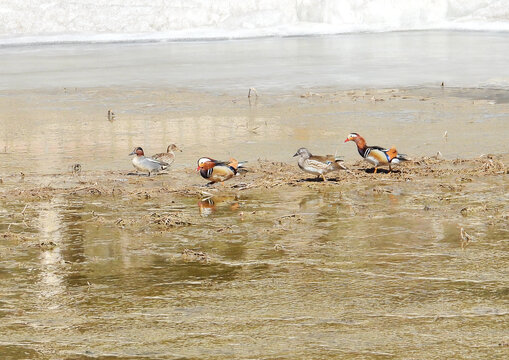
(421, 175)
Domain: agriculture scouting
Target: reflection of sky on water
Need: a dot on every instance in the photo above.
(50, 226)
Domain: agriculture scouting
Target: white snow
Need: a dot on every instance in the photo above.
(61, 21)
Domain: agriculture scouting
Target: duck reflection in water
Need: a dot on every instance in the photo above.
(210, 204)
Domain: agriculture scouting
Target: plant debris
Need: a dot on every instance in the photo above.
(189, 255)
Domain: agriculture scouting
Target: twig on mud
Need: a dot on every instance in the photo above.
(189, 255)
(465, 238)
(170, 220)
(243, 186)
(286, 216)
(253, 90)
(76, 169)
(111, 115)
(92, 189)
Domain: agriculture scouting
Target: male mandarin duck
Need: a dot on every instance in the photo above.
(318, 165)
(217, 171)
(142, 163)
(169, 156)
(376, 155)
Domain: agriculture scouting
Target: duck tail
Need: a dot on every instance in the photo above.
(163, 164)
(340, 164)
(403, 157)
(233, 163)
(392, 153)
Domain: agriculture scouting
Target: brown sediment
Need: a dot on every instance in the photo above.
(264, 174)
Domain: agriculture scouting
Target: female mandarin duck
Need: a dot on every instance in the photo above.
(217, 171)
(318, 165)
(142, 163)
(169, 156)
(376, 155)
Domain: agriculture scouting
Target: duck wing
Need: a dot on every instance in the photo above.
(378, 153)
(221, 173)
(156, 156)
(167, 158)
(325, 162)
(392, 153)
(158, 162)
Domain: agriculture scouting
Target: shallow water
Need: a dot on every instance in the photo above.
(49, 131)
(315, 272)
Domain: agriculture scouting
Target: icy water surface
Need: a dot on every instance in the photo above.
(348, 61)
(287, 273)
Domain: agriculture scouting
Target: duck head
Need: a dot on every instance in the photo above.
(138, 151)
(172, 148)
(353, 137)
(205, 163)
(303, 152)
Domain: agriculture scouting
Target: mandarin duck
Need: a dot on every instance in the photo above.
(169, 156)
(217, 171)
(142, 163)
(376, 155)
(318, 165)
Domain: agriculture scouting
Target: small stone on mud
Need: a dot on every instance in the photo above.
(279, 247)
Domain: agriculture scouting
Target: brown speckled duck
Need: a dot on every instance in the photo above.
(318, 165)
(169, 156)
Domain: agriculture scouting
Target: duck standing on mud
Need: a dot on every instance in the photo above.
(169, 156)
(142, 163)
(217, 171)
(318, 165)
(376, 155)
